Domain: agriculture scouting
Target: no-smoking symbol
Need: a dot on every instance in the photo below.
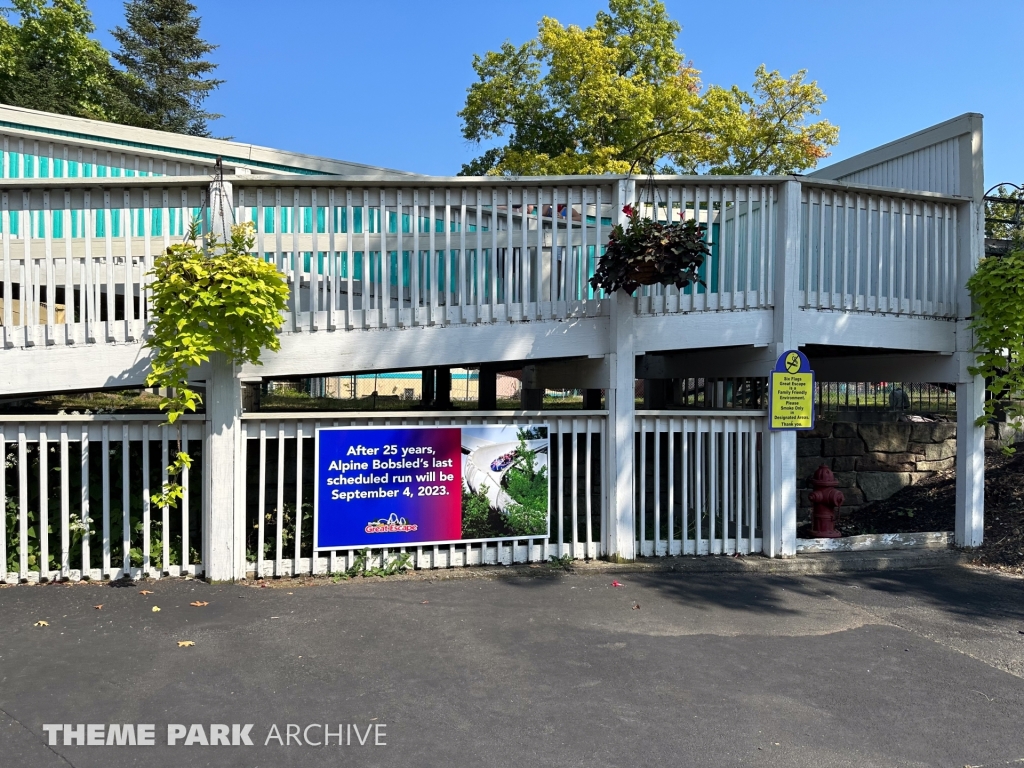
(793, 362)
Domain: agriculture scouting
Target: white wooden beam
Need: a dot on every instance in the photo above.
(574, 373)
(621, 528)
(708, 363)
(970, 392)
(324, 353)
(860, 329)
(658, 333)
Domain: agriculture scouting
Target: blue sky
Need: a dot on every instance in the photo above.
(381, 82)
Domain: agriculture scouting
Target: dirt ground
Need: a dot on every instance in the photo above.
(929, 506)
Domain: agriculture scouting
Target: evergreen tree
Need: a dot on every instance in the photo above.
(165, 72)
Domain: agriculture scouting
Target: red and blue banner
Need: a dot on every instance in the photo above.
(387, 486)
(411, 486)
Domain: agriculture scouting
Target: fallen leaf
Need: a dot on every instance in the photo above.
(145, 592)
(199, 603)
(636, 606)
(98, 607)
(616, 584)
(185, 643)
(41, 624)
(156, 609)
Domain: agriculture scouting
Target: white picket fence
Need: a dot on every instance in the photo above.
(279, 486)
(697, 485)
(74, 476)
(698, 482)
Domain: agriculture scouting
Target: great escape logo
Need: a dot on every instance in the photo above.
(394, 524)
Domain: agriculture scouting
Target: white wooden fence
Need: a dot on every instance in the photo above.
(698, 482)
(73, 477)
(278, 451)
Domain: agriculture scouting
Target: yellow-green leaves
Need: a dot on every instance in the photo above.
(224, 301)
(998, 325)
(618, 96)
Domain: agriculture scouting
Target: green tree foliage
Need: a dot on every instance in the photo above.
(1005, 220)
(997, 288)
(48, 62)
(165, 71)
(618, 96)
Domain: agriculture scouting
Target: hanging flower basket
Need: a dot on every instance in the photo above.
(648, 252)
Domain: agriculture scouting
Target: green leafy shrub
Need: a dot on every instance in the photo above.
(222, 300)
(477, 515)
(997, 288)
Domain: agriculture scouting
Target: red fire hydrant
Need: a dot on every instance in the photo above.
(826, 501)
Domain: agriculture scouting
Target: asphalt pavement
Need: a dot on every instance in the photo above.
(896, 668)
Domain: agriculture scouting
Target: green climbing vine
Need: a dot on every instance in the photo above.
(997, 288)
(204, 301)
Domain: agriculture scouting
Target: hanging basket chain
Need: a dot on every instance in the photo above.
(647, 251)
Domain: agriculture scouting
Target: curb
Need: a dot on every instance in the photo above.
(804, 564)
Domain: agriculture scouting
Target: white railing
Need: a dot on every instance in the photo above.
(278, 452)
(369, 254)
(872, 252)
(74, 476)
(739, 226)
(698, 482)
(454, 253)
(75, 262)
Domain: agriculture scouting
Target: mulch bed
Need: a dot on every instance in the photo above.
(930, 506)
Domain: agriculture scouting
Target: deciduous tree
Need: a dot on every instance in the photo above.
(49, 62)
(618, 96)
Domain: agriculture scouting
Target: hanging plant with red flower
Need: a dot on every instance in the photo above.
(649, 252)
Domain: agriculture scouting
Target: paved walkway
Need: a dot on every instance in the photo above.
(900, 668)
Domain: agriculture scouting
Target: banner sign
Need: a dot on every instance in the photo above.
(791, 392)
(403, 486)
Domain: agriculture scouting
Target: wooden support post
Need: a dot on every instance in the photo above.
(488, 388)
(656, 393)
(223, 516)
(427, 388)
(970, 390)
(531, 399)
(970, 463)
(778, 449)
(621, 543)
(591, 399)
(443, 393)
(620, 399)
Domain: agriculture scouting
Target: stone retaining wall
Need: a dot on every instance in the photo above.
(872, 461)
